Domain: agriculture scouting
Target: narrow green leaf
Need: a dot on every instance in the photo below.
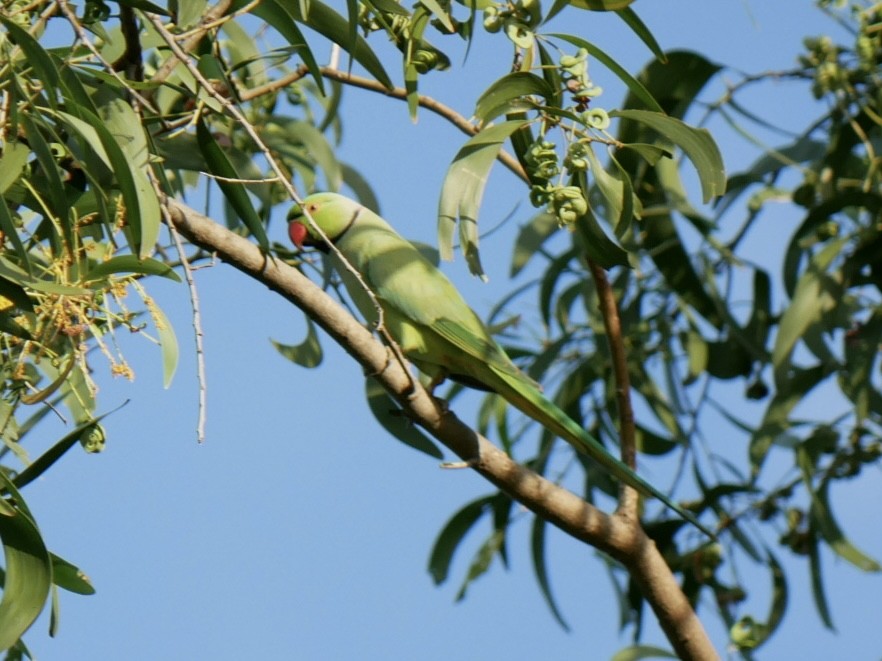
(601, 5)
(235, 193)
(776, 420)
(639, 28)
(463, 189)
(74, 91)
(388, 7)
(28, 569)
(452, 534)
(142, 207)
(41, 62)
(636, 88)
(131, 264)
(7, 226)
(245, 54)
(497, 99)
(817, 580)
(360, 186)
(530, 239)
(663, 242)
(648, 442)
(481, 561)
(19, 276)
(12, 164)
(306, 354)
(70, 577)
(652, 154)
(279, 18)
(697, 353)
(552, 76)
(594, 242)
(395, 421)
(53, 454)
(190, 12)
(333, 26)
(537, 548)
(502, 508)
(856, 381)
(822, 517)
(168, 342)
(816, 294)
(553, 274)
(842, 202)
(286, 135)
(697, 144)
(637, 652)
(439, 12)
(58, 202)
(779, 593)
(619, 198)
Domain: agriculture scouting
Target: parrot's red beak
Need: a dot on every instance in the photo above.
(298, 233)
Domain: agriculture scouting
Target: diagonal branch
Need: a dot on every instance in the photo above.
(617, 535)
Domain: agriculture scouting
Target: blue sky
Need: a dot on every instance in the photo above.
(299, 529)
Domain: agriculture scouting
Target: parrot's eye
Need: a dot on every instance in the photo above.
(312, 208)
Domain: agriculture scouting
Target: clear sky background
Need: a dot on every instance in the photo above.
(299, 529)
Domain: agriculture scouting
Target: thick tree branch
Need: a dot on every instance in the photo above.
(619, 536)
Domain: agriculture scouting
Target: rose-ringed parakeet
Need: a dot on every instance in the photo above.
(433, 325)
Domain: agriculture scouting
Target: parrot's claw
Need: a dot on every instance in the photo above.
(436, 381)
(441, 403)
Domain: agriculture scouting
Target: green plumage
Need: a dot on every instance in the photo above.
(433, 325)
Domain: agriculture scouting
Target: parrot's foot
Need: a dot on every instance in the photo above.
(436, 381)
(441, 403)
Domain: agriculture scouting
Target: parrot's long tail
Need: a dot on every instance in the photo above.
(533, 403)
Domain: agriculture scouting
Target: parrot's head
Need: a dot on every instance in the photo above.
(332, 213)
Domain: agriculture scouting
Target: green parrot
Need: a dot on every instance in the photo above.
(433, 325)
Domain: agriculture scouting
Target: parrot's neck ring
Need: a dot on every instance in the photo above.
(351, 222)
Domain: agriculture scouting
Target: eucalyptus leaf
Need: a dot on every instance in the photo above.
(395, 421)
(28, 568)
(697, 144)
(540, 569)
(463, 189)
(452, 535)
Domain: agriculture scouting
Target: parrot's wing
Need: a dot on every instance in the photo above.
(422, 293)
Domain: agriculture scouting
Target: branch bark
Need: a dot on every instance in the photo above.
(620, 536)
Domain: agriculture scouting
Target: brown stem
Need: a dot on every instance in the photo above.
(629, 499)
(619, 536)
(427, 102)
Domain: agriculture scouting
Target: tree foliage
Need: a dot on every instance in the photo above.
(109, 110)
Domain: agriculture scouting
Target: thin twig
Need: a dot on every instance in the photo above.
(427, 102)
(197, 324)
(240, 117)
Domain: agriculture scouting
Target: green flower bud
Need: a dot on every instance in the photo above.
(530, 11)
(93, 438)
(520, 34)
(492, 19)
(596, 118)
